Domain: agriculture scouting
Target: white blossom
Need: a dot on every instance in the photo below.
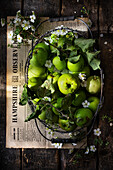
(60, 32)
(97, 132)
(82, 76)
(71, 151)
(18, 12)
(10, 35)
(26, 25)
(32, 18)
(57, 145)
(101, 35)
(111, 124)
(17, 21)
(85, 104)
(2, 22)
(74, 144)
(87, 150)
(32, 28)
(12, 41)
(46, 98)
(48, 63)
(84, 83)
(105, 42)
(19, 38)
(93, 148)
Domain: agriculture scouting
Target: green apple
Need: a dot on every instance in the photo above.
(35, 71)
(59, 64)
(83, 116)
(68, 83)
(42, 45)
(57, 105)
(94, 101)
(80, 96)
(40, 55)
(66, 125)
(54, 108)
(77, 66)
(59, 101)
(42, 116)
(93, 84)
(34, 83)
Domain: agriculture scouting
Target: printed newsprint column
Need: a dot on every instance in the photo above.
(20, 134)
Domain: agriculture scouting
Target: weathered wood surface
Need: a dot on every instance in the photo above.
(101, 14)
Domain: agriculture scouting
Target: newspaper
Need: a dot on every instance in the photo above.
(20, 134)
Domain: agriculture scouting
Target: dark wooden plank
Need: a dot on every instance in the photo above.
(93, 7)
(71, 7)
(86, 162)
(40, 159)
(106, 152)
(48, 8)
(74, 8)
(9, 158)
(9, 8)
(106, 16)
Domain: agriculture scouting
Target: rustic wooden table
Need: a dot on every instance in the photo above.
(101, 15)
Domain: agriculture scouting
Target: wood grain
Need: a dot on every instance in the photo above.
(8, 158)
(48, 8)
(41, 159)
(9, 7)
(106, 16)
(106, 152)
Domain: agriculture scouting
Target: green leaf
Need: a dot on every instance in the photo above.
(74, 59)
(73, 53)
(84, 44)
(95, 64)
(24, 96)
(66, 102)
(32, 116)
(91, 55)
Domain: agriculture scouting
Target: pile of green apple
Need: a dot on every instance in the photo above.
(63, 73)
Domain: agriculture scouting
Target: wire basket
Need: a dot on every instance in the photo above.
(80, 132)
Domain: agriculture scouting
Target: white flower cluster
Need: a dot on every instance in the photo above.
(20, 21)
(48, 85)
(57, 145)
(46, 99)
(92, 148)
